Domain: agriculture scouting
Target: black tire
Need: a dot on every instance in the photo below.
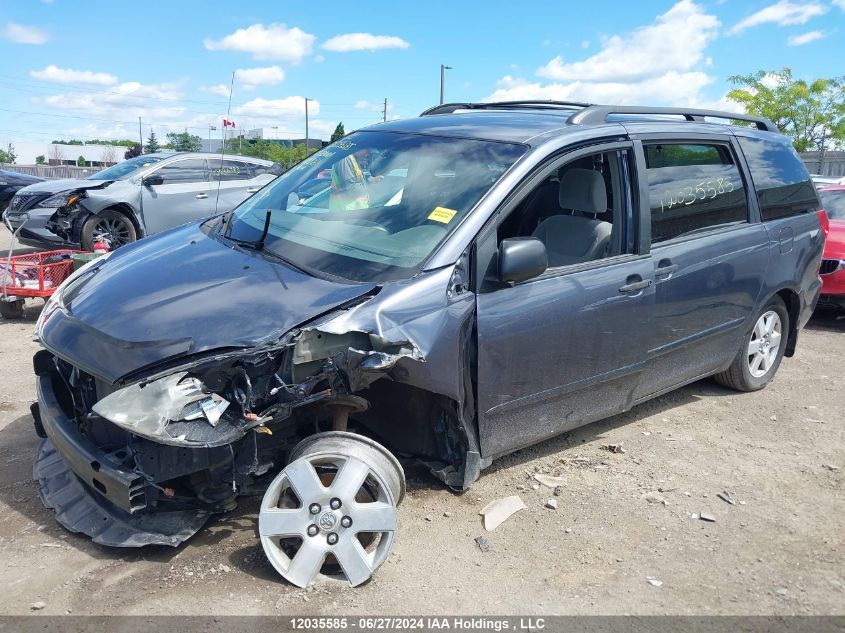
(113, 225)
(740, 375)
(11, 309)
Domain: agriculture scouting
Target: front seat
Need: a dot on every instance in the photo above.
(573, 239)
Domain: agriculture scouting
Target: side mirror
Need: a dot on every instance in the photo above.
(152, 179)
(521, 258)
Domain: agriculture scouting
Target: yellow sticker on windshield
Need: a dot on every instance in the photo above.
(442, 214)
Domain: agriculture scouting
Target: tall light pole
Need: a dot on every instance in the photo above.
(443, 69)
(306, 125)
(140, 135)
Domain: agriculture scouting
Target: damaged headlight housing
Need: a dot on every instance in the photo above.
(175, 410)
(62, 199)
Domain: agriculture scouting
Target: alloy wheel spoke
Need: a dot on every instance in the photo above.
(282, 522)
(352, 560)
(303, 478)
(307, 562)
(374, 517)
(349, 480)
(758, 360)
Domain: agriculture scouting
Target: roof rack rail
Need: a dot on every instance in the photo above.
(599, 114)
(448, 108)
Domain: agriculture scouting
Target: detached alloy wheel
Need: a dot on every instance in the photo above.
(331, 512)
(115, 228)
(762, 350)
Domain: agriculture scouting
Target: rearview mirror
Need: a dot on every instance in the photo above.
(521, 258)
(152, 179)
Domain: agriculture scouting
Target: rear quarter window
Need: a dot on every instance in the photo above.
(781, 180)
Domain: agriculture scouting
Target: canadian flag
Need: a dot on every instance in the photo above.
(227, 123)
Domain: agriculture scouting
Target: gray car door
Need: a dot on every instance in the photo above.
(565, 348)
(183, 195)
(710, 254)
(233, 181)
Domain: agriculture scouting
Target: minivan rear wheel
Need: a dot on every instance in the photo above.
(112, 226)
(762, 350)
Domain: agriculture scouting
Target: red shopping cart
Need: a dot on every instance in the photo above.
(31, 275)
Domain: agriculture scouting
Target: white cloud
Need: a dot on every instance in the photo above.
(23, 34)
(805, 38)
(268, 109)
(221, 90)
(363, 42)
(251, 78)
(839, 3)
(274, 42)
(662, 90)
(68, 76)
(585, 44)
(662, 63)
(675, 42)
(782, 13)
(361, 105)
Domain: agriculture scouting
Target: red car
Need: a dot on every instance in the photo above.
(833, 261)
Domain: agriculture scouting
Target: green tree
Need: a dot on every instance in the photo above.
(184, 142)
(338, 133)
(133, 151)
(81, 162)
(8, 155)
(40, 160)
(152, 143)
(811, 113)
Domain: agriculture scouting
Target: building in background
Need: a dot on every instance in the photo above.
(61, 154)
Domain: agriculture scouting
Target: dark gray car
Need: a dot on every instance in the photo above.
(468, 283)
(138, 197)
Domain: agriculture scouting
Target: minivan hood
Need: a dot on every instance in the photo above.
(68, 184)
(180, 293)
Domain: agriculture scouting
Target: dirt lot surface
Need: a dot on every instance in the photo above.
(622, 519)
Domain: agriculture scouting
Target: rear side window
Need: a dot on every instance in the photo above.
(781, 180)
(692, 187)
(229, 170)
(274, 169)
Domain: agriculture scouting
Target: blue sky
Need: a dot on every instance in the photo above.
(89, 69)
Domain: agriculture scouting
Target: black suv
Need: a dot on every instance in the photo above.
(462, 284)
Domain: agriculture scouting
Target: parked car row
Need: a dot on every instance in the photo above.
(452, 288)
(138, 197)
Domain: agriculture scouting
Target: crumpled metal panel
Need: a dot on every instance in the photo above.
(83, 511)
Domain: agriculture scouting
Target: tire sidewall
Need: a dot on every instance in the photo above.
(86, 237)
(777, 305)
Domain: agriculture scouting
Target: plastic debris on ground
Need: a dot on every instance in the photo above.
(497, 512)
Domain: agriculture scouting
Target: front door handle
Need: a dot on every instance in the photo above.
(635, 286)
(253, 189)
(202, 196)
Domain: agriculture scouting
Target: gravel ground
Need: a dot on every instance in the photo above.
(622, 518)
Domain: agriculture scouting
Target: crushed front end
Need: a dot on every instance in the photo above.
(149, 462)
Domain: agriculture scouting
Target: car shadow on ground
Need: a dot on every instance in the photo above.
(827, 320)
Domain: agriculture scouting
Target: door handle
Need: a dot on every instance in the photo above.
(253, 189)
(202, 196)
(635, 286)
(665, 269)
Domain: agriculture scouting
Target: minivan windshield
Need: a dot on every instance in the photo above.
(126, 168)
(373, 205)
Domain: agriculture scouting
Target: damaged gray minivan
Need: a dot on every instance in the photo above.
(449, 288)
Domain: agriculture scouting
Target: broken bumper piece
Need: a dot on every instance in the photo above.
(94, 497)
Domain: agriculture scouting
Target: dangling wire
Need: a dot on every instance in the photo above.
(223, 147)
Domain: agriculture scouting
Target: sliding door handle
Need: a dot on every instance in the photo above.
(636, 286)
